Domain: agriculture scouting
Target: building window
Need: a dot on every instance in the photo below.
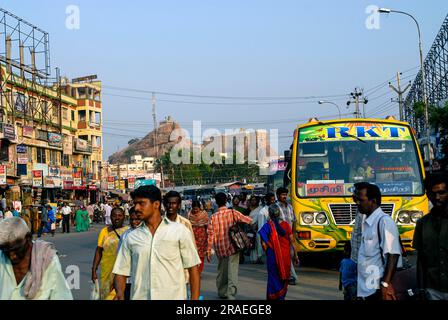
(82, 115)
(81, 93)
(42, 135)
(66, 160)
(64, 114)
(73, 115)
(55, 109)
(54, 157)
(41, 156)
(30, 155)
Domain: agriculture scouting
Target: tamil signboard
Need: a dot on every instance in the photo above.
(131, 183)
(110, 183)
(2, 175)
(9, 132)
(21, 148)
(67, 147)
(28, 131)
(54, 171)
(81, 145)
(54, 139)
(52, 182)
(22, 158)
(37, 178)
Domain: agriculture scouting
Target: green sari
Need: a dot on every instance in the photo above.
(82, 221)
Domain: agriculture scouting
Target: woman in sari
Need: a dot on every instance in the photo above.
(277, 240)
(199, 222)
(106, 253)
(81, 220)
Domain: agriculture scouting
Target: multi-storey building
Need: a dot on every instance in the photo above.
(50, 139)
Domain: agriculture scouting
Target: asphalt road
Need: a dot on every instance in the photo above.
(318, 280)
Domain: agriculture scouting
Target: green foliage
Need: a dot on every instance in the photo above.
(188, 174)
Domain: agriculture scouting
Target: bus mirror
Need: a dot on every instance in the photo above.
(287, 155)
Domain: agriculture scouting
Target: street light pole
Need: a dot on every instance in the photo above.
(329, 102)
(422, 69)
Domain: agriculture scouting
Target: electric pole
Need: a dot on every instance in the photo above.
(400, 95)
(154, 118)
(358, 96)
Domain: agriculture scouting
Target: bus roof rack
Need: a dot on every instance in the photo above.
(390, 118)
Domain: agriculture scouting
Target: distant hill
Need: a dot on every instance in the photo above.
(145, 146)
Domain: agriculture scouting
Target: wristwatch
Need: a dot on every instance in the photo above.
(384, 284)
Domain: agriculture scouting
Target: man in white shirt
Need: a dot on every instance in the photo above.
(66, 213)
(380, 251)
(156, 253)
(107, 213)
(20, 279)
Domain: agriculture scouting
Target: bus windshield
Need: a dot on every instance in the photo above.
(331, 167)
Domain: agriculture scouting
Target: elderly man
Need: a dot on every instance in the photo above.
(29, 270)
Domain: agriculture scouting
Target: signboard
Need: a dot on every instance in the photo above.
(69, 185)
(21, 148)
(41, 167)
(2, 175)
(147, 182)
(350, 131)
(131, 183)
(396, 188)
(20, 102)
(81, 145)
(110, 183)
(22, 159)
(77, 182)
(330, 189)
(37, 178)
(28, 131)
(54, 139)
(9, 131)
(77, 172)
(52, 182)
(54, 171)
(67, 145)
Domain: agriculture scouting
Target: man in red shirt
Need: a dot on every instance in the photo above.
(218, 237)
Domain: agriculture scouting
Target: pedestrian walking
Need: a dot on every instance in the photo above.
(277, 240)
(380, 251)
(199, 221)
(29, 270)
(91, 212)
(134, 222)
(256, 252)
(172, 203)
(43, 219)
(107, 214)
(287, 214)
(82, 220)
(431, 241)
(155, 254)
(66, 214)
(219, 239)
(106, 253)
(348, 275)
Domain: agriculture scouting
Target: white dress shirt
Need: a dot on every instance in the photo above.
(370, 264)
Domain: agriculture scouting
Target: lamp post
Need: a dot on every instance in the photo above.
(329, 102)
(422, 69)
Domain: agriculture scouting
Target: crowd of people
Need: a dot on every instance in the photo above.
(161, 252)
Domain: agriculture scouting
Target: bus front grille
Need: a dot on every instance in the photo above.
(345, 213)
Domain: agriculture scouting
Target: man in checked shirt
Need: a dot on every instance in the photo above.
(218, 237)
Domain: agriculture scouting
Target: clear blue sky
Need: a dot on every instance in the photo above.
(232, 48)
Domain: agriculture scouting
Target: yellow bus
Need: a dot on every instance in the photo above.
(329, 157)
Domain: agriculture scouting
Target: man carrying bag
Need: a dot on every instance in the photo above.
(227, 245)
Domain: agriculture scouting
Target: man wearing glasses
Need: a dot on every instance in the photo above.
(29, 270)
(431, 241)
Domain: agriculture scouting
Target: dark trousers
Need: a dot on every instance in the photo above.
(373, 297)
(127, 292)
(41, 228)
(66, 223)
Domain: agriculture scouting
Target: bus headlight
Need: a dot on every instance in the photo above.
(404, 217)
(321, 218)
(416, 215)
(307, 217)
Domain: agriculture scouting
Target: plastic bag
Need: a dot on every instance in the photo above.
(95, 291)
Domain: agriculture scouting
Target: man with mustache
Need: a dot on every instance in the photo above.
(431, 241)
